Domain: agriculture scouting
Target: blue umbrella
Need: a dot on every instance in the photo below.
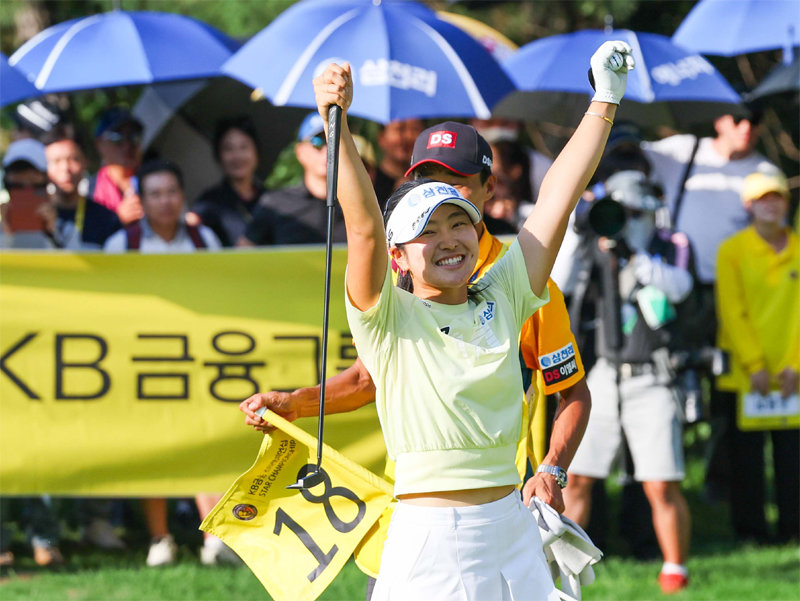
(406, 62)
(122, 48)
(669, 86)
(783, 79)
(14, 86)
(731, 27)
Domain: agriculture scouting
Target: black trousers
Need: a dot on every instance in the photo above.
(748, 486)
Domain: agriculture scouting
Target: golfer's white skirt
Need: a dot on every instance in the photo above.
(490, 552)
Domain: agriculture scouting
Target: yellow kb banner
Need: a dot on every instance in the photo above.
(121, 375)
(296, 541)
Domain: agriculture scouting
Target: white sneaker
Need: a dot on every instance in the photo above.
(101, 534)
(163, 551)
(215, 552)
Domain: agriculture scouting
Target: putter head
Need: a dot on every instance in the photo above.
(310, 480)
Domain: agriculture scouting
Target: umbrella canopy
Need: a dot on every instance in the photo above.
(122, 48)
(731, 27)
(14, 86)
(781, 80)
(669, 86)
(406, 62)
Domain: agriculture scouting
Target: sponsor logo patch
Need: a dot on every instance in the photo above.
(442, 139)
(558, 365)
(245, 512)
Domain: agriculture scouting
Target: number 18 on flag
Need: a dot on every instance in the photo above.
(296, 541)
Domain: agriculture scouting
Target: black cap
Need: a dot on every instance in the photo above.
(114, 118)
(456, 146)
(623, 132)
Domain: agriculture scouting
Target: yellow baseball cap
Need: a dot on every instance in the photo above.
(758, 184)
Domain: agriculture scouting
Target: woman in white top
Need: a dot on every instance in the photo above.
(444, 356)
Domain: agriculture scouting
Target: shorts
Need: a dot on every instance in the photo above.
(490, 552)
(649, 419)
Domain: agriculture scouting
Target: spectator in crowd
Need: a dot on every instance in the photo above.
(228, 207)
(298, 215)
(395, 143)
(26, 214)
(703, 179)
(163, 230)
(497, 130)
(758, 302)
(635, 280)
(512, 196)
(118, 138)
(25, 180)
(75, 222)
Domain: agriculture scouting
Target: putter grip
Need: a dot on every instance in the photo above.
(334, 128)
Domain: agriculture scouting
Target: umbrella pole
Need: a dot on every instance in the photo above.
(314, 477)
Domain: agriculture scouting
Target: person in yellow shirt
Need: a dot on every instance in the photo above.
(758, 307)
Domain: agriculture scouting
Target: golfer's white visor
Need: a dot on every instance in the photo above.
(413, 212)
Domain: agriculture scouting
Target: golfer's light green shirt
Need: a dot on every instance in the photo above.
(448, 379)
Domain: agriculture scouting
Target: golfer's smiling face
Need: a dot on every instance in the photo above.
(441, 259)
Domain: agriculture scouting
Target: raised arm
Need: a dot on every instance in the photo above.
(366, 237)
(543, 231)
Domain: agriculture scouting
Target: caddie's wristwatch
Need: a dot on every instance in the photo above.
(559, 473)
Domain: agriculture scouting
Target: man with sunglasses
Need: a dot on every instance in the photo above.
(118, 138)
(703, 181)
(298, 214)
(25, 214)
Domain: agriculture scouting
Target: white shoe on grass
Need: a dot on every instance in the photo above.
(163, 551)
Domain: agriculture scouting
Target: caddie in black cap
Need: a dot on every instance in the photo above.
(453, 145)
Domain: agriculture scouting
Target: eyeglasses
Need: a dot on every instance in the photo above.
(116, 137)
(318, 142)
(39, 187)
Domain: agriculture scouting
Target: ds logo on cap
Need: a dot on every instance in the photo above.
(442, 139)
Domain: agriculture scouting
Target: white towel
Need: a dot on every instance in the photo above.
(569, 551)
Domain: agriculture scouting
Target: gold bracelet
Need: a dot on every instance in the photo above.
(604, 118)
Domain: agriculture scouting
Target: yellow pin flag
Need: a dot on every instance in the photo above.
(297, 541)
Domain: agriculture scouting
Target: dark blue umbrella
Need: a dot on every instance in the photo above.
(731, 27)
(669, 86)
(122, 48)
(14, 86)
(406, 62)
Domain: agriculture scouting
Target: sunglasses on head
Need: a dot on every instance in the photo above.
(116, 137)
(318, 142)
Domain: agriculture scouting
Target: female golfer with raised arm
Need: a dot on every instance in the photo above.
(444, 357)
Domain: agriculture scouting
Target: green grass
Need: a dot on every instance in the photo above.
(720, 569)
(749, 573)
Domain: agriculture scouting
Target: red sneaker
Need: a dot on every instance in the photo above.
(672, 583)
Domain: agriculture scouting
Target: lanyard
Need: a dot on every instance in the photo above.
(80, 215)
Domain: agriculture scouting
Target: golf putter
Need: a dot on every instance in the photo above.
(316, 476)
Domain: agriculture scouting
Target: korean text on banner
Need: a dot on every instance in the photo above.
(296, 541)
(128, 368)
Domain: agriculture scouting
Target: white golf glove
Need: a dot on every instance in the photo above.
(610, 65)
